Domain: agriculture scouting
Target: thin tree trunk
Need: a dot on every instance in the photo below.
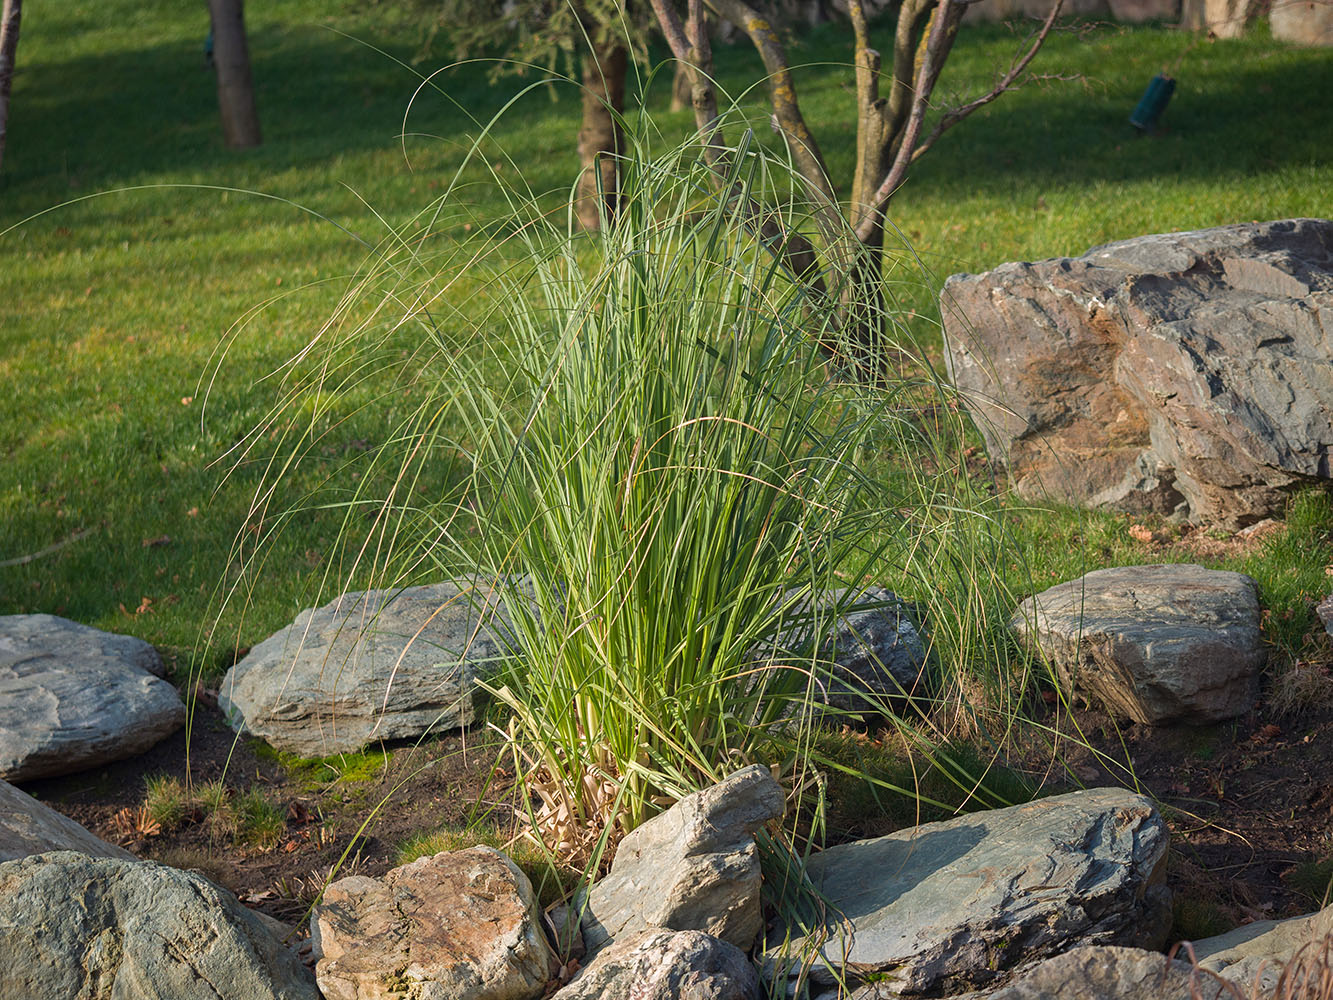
(231, 59)
(9, 43)
(681, 90)
(600, 138)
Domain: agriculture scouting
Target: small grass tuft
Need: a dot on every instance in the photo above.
(166, 801)
(259, 823)
(1313, 879)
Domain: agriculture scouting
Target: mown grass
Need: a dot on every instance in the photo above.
(112, 309)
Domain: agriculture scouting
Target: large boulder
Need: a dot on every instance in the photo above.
(951, 906)
(694, 867)
(76, 926)
(370, 665)
(1305, 22)
(1168, 643)
(74, 697)
(459, 924)
(666, 965)
(1180, 373)
(29, 827)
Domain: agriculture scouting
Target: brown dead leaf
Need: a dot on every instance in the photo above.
(153, 543)
(1269, 732)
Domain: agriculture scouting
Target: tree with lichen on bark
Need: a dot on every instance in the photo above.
(896, 124)
(600, 35)
(11, 12)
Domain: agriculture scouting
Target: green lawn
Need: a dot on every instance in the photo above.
(133, 247)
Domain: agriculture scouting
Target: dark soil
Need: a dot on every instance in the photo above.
(328, 822)
(1249, 803)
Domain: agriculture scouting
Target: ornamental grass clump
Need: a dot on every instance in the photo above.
(647, 440)
(670, 478)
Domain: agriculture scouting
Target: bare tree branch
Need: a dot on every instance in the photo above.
(1006, 83)
(690, 45)
(938, 43)
(781, 93)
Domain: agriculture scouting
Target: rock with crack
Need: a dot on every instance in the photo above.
(77, 926)
(1182, 373)
(29, 827)
(459, 924)
(666, 965)
(952, 906)
(74, 697)
(694, 867)
(1159, 644)
(371, 665)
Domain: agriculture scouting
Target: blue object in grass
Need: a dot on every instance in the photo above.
(1153, 103)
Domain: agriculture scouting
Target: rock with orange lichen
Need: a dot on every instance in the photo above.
(459, 924)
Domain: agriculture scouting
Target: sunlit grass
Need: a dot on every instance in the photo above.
(111, 309)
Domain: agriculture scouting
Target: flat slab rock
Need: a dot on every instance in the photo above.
(947, 907)
(458, 924)
(1176, 373)
(74, 697)
(1159, 644)
(29, 827)
(75, 926)
(371, 665)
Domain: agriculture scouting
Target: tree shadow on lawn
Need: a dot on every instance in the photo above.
(132, 116)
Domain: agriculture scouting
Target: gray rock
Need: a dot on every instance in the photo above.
(371, 665)
(74, 697)
(29, 827)
(1260, 950)
(1179, 373)
(459, 924)
(666, 965)
(1170, 643)
(1304, 22)
(72, 926)
(1107, 974)
(694, 867)
(951, 906)
(875, 657)
(1324, 609)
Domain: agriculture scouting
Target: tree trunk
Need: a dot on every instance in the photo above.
(9, 43)
(600, 136)
(231, 58)
(681, 90)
